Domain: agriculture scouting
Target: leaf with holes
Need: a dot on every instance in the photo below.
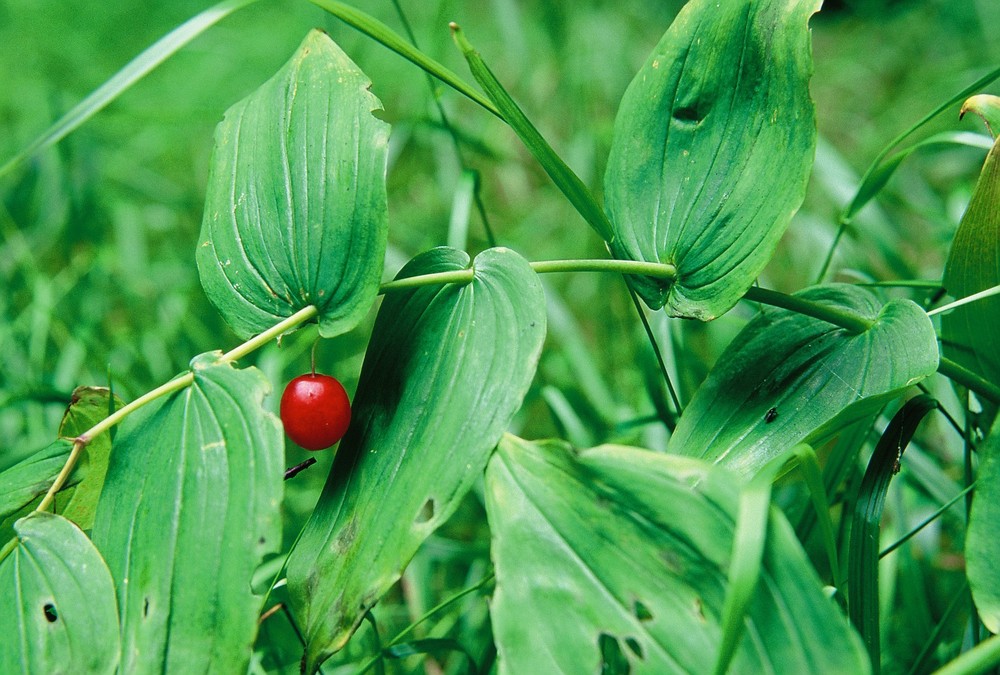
(295, 213)
(57, 602)
(788, 378)
(446, 370)
(190, 506)
(968, 333)
(618, 553)
(713, 146)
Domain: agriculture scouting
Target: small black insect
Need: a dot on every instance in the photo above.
(771, 415)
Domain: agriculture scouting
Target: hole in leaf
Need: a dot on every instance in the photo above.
(613, 661)
(689, 114)
(634, 647)
(145, 608)
(426, 512)
(642, 612)
(50, 612)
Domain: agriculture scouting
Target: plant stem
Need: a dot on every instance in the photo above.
(835, 315)
(969, 379)
(176, 384)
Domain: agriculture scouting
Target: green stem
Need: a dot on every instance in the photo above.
(176, 384)
(648, 269)
(969, 379)
(835, 315)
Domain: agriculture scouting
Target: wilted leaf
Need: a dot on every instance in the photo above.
(296, 208)
(713, 146)
(190, 507)
(57, 602)
(624, 545)
(446, 370)
(788, 377)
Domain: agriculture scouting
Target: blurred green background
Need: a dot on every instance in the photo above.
(97, 234)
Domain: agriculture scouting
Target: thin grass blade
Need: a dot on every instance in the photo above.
(863, 554)
(135, 70)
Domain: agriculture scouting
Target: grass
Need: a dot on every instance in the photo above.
(97, 234)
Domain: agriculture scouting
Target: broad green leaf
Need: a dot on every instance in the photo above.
(57, 602)
(624, 544)
(713, 146)
(190, 507)
(969, 333)
(815, 376)
(447, 368)
(31, 477)
(295, 213)
(88, 407)
(982, 542)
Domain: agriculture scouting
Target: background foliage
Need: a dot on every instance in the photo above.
(97, 234)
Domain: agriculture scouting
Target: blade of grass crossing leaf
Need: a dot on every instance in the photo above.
(863, 554)
(134, 71)
(564, 178)
(749, 538)
(808, 466)
(384, 35)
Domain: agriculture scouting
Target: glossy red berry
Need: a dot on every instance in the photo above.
(315, 411)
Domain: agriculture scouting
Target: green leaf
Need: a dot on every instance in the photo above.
(968, 333)
(447, 368)
(713, 145)
(57, 602)
(815, 377)
(636, 545)
(987, 107)
(31, 477)
(89, 406)
(189, 509)
(862, 580)
(295, 213)
(982, 543)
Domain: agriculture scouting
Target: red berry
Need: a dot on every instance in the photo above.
(315, 411)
